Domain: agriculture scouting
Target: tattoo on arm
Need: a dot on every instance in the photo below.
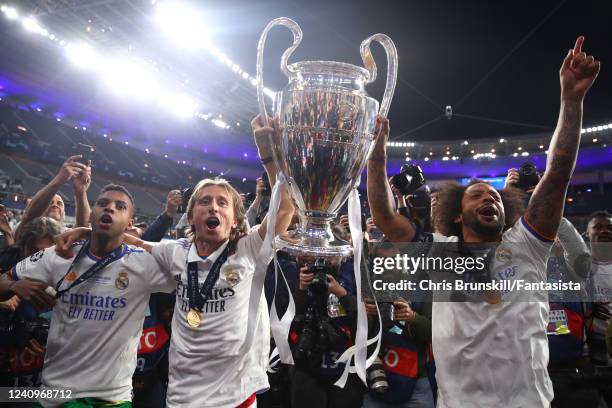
(545, 208)
(395, 226)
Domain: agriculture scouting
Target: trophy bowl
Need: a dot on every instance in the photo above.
(326, 121)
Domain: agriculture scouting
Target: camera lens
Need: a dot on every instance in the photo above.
(377, 377)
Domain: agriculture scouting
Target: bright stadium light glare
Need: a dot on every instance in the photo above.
(185, 26)
(11, 13)
(129, 77)
(30, 24)
(181, 105)
(82, 55)
(219, 123)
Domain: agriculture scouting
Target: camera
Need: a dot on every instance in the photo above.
(386, 311)
(86, 152)
(186, 194)
(528, 176)
(317, 332)
(25, 330)
(318, 286)
(409, 179)
(377, 377)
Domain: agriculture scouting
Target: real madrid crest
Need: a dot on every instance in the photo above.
(232, 277)
(503, 254)
(122, 281)
(37, 256)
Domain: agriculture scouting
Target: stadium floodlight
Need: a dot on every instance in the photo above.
(184, 25)
(219, 123)
(128, 76)
(82, 55)
(10, 13)
(181, 105)
(30, 24)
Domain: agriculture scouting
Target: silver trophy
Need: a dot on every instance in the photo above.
(327, 122)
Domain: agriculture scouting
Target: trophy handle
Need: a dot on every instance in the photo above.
(370, 65)
(297, 39)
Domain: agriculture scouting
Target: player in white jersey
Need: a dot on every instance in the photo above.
(100, 294)
(599, 231)
(490, 355)
(214, 271)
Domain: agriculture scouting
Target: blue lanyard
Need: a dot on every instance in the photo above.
(102, 263)
(197, 298)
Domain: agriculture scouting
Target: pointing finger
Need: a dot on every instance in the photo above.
(578, 45)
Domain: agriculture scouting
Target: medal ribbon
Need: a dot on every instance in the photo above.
(98, 266)
(197, 298)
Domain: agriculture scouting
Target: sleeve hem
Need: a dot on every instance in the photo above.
(535, 233)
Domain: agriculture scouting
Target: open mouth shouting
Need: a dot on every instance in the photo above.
(105, 221)
(212, 223)
(488, 212)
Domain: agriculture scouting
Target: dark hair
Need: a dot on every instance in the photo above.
(599, 214)
(449, 206)
(119, 188)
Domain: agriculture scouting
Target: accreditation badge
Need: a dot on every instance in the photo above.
(194, 318)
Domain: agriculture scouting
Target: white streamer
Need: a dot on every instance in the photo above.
(280, 328)
(263, 258)
(360, 349)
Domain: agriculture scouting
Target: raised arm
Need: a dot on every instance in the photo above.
(396, 227)
(80, 184)
(545, 209)
(41, 200)
(263, 140)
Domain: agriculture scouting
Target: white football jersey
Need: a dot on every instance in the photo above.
(602, 292)
(95, 327)
(207, 366)
(496, 355)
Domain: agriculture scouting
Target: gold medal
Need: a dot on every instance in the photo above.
(194, 318)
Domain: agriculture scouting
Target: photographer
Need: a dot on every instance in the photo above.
(46, 202)
(399, 377)
(156, 231)
(7, 239)
(480, 359)
(259, 207)
(24, 329)
(324, 327)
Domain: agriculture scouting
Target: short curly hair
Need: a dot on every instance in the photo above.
(449, 206)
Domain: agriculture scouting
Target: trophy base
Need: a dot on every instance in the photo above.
(299, 244)
(314, 239)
